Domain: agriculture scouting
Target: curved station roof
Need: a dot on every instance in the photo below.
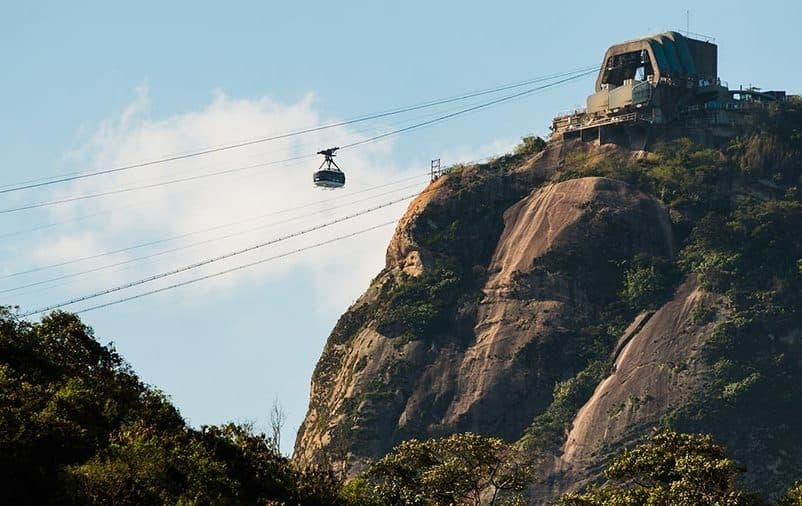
(670, 55)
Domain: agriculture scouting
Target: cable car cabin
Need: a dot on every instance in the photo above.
(329, 178)
(328, 175)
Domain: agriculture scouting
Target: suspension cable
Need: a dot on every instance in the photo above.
(351, 145)
(186, 246)
(233, 269)
(196, 232)
(221, 257)
(37, 183)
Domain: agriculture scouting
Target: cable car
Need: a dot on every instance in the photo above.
(331, 176)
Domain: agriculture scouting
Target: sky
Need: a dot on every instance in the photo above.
(87, 86)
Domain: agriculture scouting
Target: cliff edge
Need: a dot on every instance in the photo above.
(573, 300)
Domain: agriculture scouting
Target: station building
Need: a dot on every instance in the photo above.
(665, 81)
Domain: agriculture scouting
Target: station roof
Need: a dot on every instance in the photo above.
(671, 54)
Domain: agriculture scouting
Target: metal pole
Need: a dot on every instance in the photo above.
(434, 169)
(688, 23)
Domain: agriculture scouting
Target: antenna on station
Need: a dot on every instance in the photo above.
(687, 22)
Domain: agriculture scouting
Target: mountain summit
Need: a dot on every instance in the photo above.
(633, 273)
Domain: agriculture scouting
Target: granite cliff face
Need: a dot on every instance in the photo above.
(375, 385)
(501, 298)
(495, 369)
(657, 367)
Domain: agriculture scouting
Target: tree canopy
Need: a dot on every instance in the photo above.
(669, 468)
(460, 469)
(77, 426)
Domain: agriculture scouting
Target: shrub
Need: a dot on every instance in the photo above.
(421, 305)
(648, 282)
(548, 429)
(530, 145)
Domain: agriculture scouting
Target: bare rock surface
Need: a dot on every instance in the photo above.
(657, 368)
(508, 306)
(523, 310)
(371, 391)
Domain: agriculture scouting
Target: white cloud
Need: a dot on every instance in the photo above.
(339, 272)
(342, 270)
(172, 210)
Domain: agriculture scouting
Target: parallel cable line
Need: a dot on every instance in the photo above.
(103, 212)
(191, 245)
(152, 185)
(233, 269)
(120, 208)
(176, 285)
(221, 257)
(466, 110)
(69, 220)
(346, 146)
(76, 198)
(209, 229)
(37, 183)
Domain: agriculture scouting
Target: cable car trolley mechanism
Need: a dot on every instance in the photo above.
(331, 176)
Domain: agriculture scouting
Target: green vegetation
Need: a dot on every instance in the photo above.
(749, 250)
(793, 497)
(751, 255)
(737, 213)
(530, 145)
(351, 322)
(648, 282)
(688, 178)
(622, 282)
(78, 427)
(460, 469)
(419, 306)
(669, 468)
(548, 429)
(426, 306)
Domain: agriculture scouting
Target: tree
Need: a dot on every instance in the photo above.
(793, 497)
(669, 468)
(277, 419)
(530, 145)
(77, 426)
(460, 469)
(146, 465)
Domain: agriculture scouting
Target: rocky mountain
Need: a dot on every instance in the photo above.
(574, 297)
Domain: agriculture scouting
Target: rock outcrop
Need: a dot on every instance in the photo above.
(532, 299)
(505, 376)
(495, 370)
(657, 367)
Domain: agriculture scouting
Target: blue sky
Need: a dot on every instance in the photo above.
(87, 85)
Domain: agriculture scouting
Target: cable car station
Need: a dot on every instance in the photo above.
(665, 81)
